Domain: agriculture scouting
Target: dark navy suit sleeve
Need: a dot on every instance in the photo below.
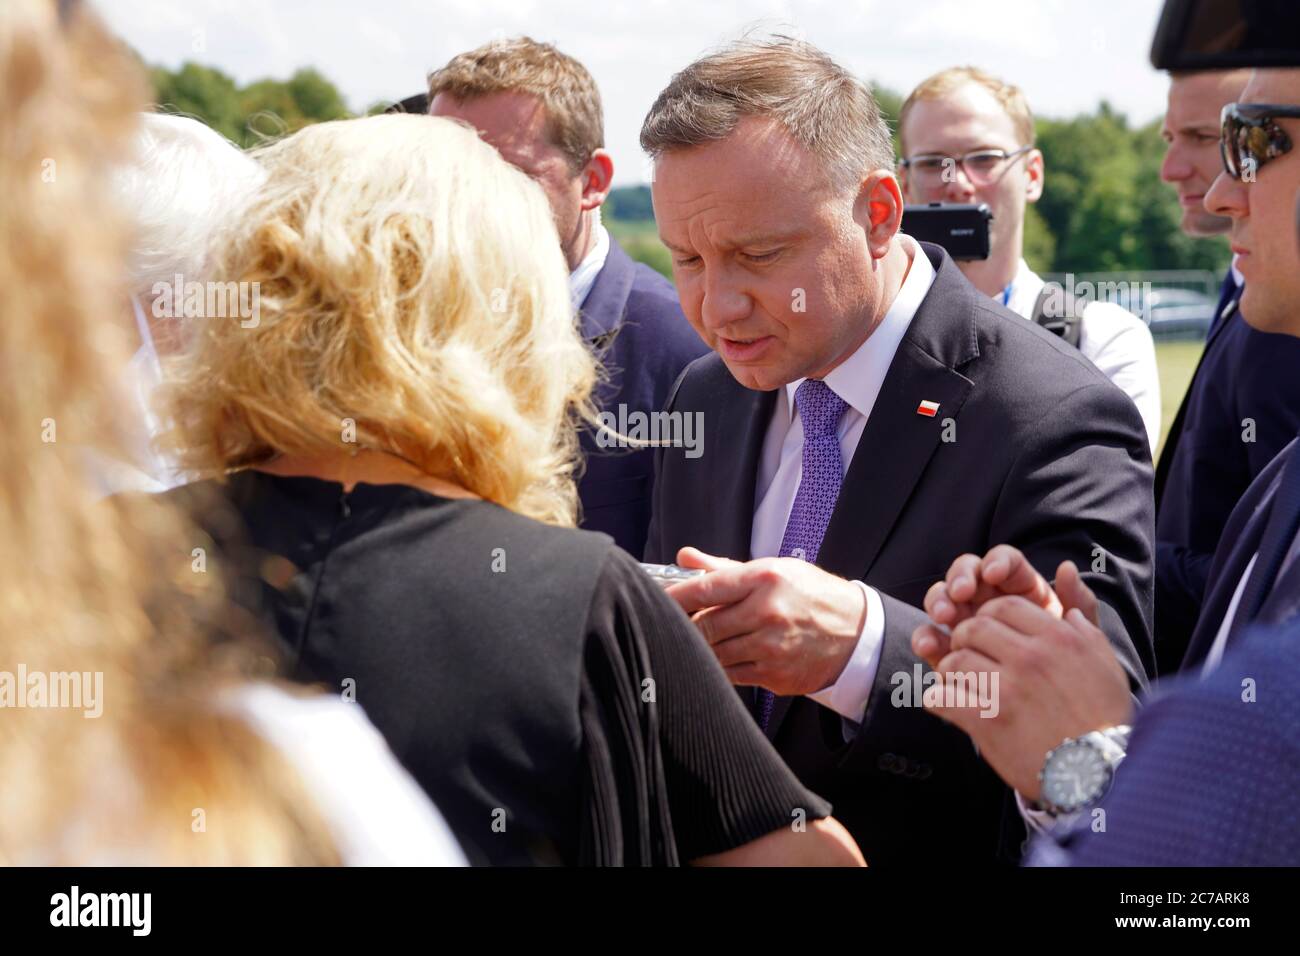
(1081, 495)
(1243, 408)
(1211, 773)
(633, 319)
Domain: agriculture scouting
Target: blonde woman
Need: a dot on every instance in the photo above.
(397, 435)
(133, 728)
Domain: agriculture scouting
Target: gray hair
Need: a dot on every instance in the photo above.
(184, 184)
(821, 105)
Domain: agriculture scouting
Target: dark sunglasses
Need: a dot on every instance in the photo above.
(1251, 137)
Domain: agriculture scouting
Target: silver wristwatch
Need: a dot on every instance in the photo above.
(1078, 772)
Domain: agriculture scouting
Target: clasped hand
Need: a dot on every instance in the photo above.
(779, 623)
(1057, 673)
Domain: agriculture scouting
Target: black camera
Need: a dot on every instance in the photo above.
(961, 228)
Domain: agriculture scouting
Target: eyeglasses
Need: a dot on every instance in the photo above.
(981, 166)
(1251, 137)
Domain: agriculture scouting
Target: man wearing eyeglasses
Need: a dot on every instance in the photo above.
(1063, 726)
(968, 137)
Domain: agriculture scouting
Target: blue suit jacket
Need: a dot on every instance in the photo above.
(1241, 539)
(1206, 466)
(1212, 776)
(1211, 773)
(633, 321)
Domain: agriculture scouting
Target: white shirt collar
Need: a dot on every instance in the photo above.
(858, 378)
(583, 277)
(1025, 288)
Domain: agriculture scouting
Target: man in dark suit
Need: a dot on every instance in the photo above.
(1254, 578)
(1243, 403)
(869, 412)
(542, 111)
(1211, 771)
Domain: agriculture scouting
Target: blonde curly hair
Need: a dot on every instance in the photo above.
(413, 299)
(95, 587)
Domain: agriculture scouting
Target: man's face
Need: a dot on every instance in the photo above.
(971, 118)
(515, 123)
(775, 268)
(1263, 213)
(1191, 130)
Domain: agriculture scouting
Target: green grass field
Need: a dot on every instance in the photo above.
(1177, 362)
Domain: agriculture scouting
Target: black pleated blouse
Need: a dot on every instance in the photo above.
(553, 702)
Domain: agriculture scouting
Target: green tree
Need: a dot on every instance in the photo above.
(202, 92)
(249, 116)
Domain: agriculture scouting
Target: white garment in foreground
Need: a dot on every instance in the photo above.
(376, 813)
(145, 470)
(1113, 339)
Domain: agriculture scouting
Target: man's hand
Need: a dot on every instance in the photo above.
(1056, 678)
(778, 623)
(973, 581)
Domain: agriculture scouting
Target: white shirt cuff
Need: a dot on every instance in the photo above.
(849, 694)
(1040, 821)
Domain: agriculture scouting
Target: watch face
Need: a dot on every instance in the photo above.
(1076, 775)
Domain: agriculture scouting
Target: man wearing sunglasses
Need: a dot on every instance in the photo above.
(1062, 728)
(1243, 403)
(968, 137)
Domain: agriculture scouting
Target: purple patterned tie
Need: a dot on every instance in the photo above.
(819, 410)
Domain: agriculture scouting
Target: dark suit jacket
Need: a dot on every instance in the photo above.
(1049, 456)
(1210, 778)
(632, 319)
(1241, 539)
(1206, 466)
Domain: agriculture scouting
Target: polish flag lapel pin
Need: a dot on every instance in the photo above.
(928, 409)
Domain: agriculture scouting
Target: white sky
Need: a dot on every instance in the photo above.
(1066, 55)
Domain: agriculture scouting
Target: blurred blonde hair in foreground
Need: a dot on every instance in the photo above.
(88, 586)
(414, 300)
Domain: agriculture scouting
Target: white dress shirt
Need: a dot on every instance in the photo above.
(583, 277)
(857, 380)
(1113, 339)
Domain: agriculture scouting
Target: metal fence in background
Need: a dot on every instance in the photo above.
(1176, 304)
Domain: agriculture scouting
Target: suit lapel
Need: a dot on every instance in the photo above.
(895, 448)
(1283, 602)
(736, 421)
(602, 311)
(897, 442)
(1224, 581)
(735, 427)
(1223, 318)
